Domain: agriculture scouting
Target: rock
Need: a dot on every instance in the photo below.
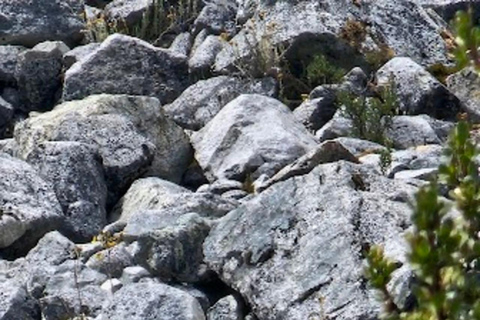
(417, 90)
(303, 239)
(27, 24)
(38, 73)
(158, 195)
(447, 9)
(111, 261)
(78, 54)
(134, 274)
(226, 309)
(128, 12)
(60, 298)
(8, 146)
(204, 56)
(12, 96)
(131, 133)
(427, 174)
(359, 147)
(111, 286)
(6, 115)
(465, 85)
(235, 194)
(421, 157)
(314, 114)
(217, 17)
(338, 126)
(329, 151)
(75, 171)
(126, 65)
(171, 251)
(182, 44)
(8, 63)
(411, 131)
(402, 28)
(149, 301)
(199, 103)
(28, 199)
(221, 186)
(250, 136)
(16, 303)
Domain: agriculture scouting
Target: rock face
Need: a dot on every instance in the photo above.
(131, 133)
(149, 301)
(268, 249)
(28, 23)
(28, 205)
(251, 135)
(142, 70)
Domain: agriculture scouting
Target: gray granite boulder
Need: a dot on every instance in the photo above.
(127, 65)
(226, 308)
(150, 301)
(204, 56)
(217, 17)
(250, 136)
(38, 74)
(16, 303)
(28, 206)
(304, 238)
(127, 12)
(28, 23)
(465, 84)
(132, 134)
(8, 63)
(75, 171)
(199, 103)
(78, 53)
(417, 90)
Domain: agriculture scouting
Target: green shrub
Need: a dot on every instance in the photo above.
(444, 251)
(370, 117)
(322, 71)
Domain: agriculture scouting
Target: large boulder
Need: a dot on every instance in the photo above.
(250, 136)
(128, 12)
(417, 90)
(150, 301)
(75, 171)
(127, 65)
(28, 206)
(132, 134)
(38, 73)
(8, 63)
(304, 239)
(402, 28)
(28, 23)
(199, 103)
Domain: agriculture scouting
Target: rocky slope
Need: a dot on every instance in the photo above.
(184, 178)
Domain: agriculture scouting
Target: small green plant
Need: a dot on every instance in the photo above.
(385, 160)
(322, 71)
(370, 117)
(444, 250)
(467, 40)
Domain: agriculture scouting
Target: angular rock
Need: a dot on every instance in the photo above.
(127, 65)
(150, 301)
(338, 126)
(38, 75)
(158, 195)
(217, 17)
(359, 147)
(417, 90)
(127, 12)
(134, 274)
(421, 157)
(78, 53)
(465, 84)
(26, 198)
(111, 261)
(303, 239)
(171, 251)
(76, 173)
(448, 8)
(182, 43)
(28, 23)
(250, 136)
(199, 103)
(16, 303)
(8, 63)
(132, 134)
(412, 131)
(221, 186)
(204, 56)
(8, 146)
(314, 114)
(226, 308)
(427, 174)
(328, 151)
